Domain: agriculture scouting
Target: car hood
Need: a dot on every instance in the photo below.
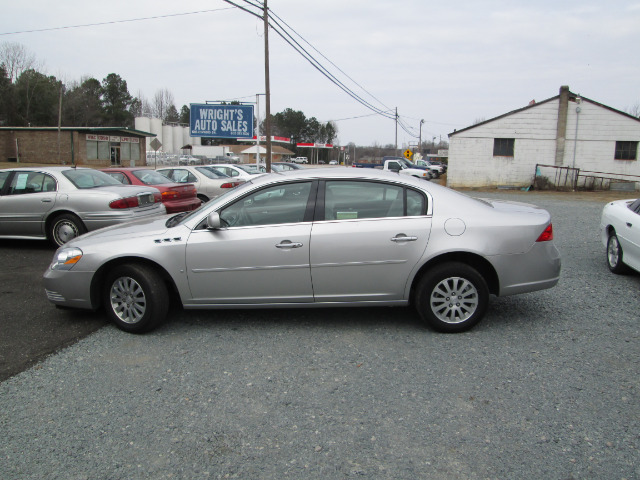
(133, 230)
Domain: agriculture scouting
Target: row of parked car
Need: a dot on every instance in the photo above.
(61, 203)
(402, 241)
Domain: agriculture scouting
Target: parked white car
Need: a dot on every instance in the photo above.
(245, 172)
(620, 233)
(300, 160)
(209, 183)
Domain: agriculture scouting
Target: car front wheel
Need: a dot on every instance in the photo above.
(452, 297)
(614, 255)
(64, 228)
(136, 298)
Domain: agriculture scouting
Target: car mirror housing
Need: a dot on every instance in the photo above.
(213, 221)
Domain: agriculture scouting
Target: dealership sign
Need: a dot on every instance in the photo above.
(222, 121)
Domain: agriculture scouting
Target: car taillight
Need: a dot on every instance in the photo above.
(136, 201)
(547, 235)
(230, 185)
(169, 194)
(129, 202)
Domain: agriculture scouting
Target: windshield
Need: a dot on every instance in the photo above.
(151, 177)
(248, 168)
(211, 172)
(88, 178)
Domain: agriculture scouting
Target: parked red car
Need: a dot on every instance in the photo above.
(176, 197)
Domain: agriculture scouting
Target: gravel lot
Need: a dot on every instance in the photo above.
(546, 386)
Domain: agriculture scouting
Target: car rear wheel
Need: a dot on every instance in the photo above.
(452, 297)
(203, 198)
(136, 298)
(64, 228)
(614, 256)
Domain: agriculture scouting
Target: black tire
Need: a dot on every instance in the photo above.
(135, 298)
(64, 228)
(452, 297)
(615, 256)
(203, 198)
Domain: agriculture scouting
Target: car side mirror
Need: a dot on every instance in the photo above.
(213, 221)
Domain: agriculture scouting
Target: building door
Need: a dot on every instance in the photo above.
(115, 155)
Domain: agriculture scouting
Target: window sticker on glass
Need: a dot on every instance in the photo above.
(21, 182)
(346, 215)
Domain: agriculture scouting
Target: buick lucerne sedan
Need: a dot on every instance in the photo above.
(620, 233)
(314, 237)
(60, 203)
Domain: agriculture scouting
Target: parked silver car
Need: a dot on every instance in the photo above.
(620, 234)
(60, 203)
(209, 182)
(315, 237)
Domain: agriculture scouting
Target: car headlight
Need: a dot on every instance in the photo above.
(66, 258)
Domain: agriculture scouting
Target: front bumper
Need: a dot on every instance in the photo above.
(69, 288)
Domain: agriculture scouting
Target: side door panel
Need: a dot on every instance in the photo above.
(265, 264)
(25, 203)
(369, 238)
(370, 262)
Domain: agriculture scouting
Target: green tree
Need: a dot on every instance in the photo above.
(37, 99)
(7, 98)
(116, 101)
(82, 104)
(185, 114)
(171, 115)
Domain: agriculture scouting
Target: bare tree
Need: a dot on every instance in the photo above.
(146, 109)
(16, 59)
(162, 100)
(634, 110)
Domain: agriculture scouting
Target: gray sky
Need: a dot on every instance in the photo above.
(449, 63)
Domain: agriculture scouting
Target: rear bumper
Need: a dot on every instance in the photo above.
(537, 269)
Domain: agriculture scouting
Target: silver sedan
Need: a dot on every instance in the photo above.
(60, 203)
(208, 182)
(315, 237)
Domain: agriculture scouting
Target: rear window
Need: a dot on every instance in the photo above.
(87, 178)
(151, 177)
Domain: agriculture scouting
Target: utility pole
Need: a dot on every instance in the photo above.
(420, 141)
(267, 121)
(396, 131)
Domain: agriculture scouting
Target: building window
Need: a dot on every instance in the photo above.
(626, 151)
(503, 147)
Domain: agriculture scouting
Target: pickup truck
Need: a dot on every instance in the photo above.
(437, 170)
(397, 165)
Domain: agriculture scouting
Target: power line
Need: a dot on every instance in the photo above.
(155, 17)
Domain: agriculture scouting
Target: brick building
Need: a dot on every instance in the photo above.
(87, 146)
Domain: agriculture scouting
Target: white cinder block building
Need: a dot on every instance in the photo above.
(505, 150)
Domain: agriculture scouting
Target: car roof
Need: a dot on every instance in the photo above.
(52, 169)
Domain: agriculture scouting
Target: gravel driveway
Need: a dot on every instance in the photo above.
(546, 386)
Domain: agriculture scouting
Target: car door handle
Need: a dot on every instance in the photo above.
(629, 224)
(288, 244)
(401, 238)
(46, 200)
